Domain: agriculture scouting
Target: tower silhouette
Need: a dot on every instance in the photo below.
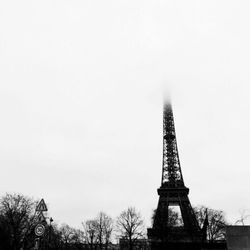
(173, 193)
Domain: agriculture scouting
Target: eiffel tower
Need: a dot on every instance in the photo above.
(173, 193)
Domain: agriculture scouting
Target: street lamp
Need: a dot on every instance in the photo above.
(50, 221)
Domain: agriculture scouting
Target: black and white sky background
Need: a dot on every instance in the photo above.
(81, 98)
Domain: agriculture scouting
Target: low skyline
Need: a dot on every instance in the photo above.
(81, 101)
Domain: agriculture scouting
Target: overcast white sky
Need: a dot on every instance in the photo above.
(82, 85)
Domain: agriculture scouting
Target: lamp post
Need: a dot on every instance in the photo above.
(50, 221)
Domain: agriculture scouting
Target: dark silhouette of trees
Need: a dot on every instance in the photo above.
(90, 232)
(104, 229)
(5, 234)
(67, 233)
(78, 237)
(130, 226)
(71, 238)
(17, 219)
(98, 231)
(54, 238)
(216, 222)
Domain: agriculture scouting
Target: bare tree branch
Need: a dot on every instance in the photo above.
(130, 226)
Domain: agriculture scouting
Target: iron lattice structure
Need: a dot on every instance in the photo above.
(172, 192)
(171, 169)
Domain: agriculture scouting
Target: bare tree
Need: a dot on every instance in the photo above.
(216, 222)
(130, 226)
(17, 212)
(244, 215)
(104, 229)
(70, 237)
(90, 232)
(108, 229)
(67, 233)
(5, 234)
(99, 231)
(55, 237)
(78, 236)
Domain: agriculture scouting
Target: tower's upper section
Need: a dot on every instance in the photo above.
(171, 168)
